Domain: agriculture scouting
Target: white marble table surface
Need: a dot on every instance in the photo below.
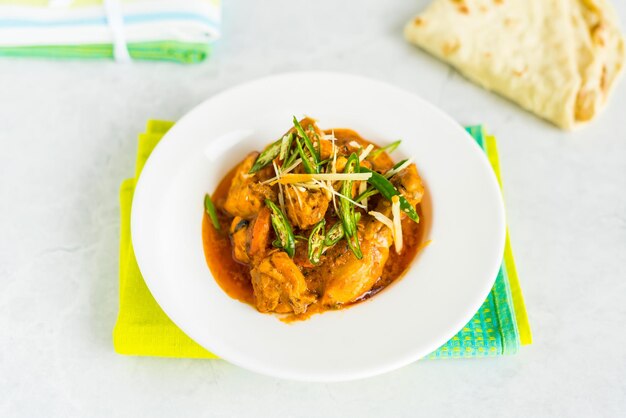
(67, 139)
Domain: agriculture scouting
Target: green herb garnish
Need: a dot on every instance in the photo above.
(266, 156)
(388, 190)
(284, 234)
(315, 157)
(387, 148)
(210, 210)
(346, 207)
(316, 242)
(285, 146)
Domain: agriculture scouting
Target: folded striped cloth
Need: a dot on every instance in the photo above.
(172, 30)
(142, 328)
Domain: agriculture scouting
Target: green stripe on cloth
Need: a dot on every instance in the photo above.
(142, 328)
(183, 52)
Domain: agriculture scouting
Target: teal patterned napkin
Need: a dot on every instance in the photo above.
(501, 324)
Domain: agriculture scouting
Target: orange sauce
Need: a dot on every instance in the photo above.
(232, 276)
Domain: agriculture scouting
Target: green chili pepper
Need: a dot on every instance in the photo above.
(266, 156)
(335, 233)
(388, 148)
(319, 148)
(292, 157)
(353, 243)
(346, 207)
(398, 164)
(387, 189)
(285, 146)
(307, 141)
(316, 242)
(308, 162)
(371, 191)
(284, 233)
(394, 170)
(318, 143)
(210, 210)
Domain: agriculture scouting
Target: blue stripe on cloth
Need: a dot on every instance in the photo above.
(128, 19)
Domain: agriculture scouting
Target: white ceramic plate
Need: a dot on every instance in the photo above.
(444, 287)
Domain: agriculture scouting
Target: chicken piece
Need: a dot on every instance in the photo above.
(340, 164)
(305, 207)
(409, 183)
(279, 286)
(250, 239)
(259, 234)
(311, 128)
(246, 194)
(301, 256)
(239, 240)
(326, 149)
(366, 164)
(348, 278)
(381, 162)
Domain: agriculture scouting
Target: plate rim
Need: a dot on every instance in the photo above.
(258, 367)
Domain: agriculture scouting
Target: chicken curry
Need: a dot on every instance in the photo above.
(319, 220)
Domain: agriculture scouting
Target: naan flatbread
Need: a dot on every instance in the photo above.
(557, 58)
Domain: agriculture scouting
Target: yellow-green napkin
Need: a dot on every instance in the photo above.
(142, 328)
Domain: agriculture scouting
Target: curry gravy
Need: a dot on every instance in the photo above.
(232, 276)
